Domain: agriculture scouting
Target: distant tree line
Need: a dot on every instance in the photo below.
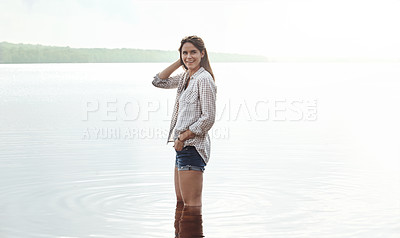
(27, 53)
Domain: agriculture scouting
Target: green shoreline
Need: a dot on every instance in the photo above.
(28, 53)
(35, 54)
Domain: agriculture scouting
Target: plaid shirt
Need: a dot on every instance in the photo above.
(194, 108)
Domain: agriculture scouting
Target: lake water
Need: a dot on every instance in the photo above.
(298, 150)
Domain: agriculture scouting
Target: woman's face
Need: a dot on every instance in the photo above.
(191, 56)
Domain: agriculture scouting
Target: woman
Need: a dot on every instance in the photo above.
(192, 118)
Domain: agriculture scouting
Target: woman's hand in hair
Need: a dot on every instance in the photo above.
(170, 69)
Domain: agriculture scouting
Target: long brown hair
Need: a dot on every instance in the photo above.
(199, 44)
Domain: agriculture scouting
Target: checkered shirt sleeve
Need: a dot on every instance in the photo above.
(207, 98)
(171, 82)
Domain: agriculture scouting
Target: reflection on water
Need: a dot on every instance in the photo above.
(188, 222)
(338, 176)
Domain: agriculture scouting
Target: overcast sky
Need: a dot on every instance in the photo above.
(279, 28)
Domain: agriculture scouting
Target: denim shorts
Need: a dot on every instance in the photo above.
(189, 159)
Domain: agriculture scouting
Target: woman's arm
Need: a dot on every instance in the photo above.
(207, 96)
(169, 70)
(163, 79)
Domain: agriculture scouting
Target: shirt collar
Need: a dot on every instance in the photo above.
(199, 71)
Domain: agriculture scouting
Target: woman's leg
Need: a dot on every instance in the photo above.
(177, 187)
(191, 186)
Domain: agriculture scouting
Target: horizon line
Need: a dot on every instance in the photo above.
(245, 54)
(269, 58)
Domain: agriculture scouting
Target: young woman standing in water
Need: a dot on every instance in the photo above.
(192, 118)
